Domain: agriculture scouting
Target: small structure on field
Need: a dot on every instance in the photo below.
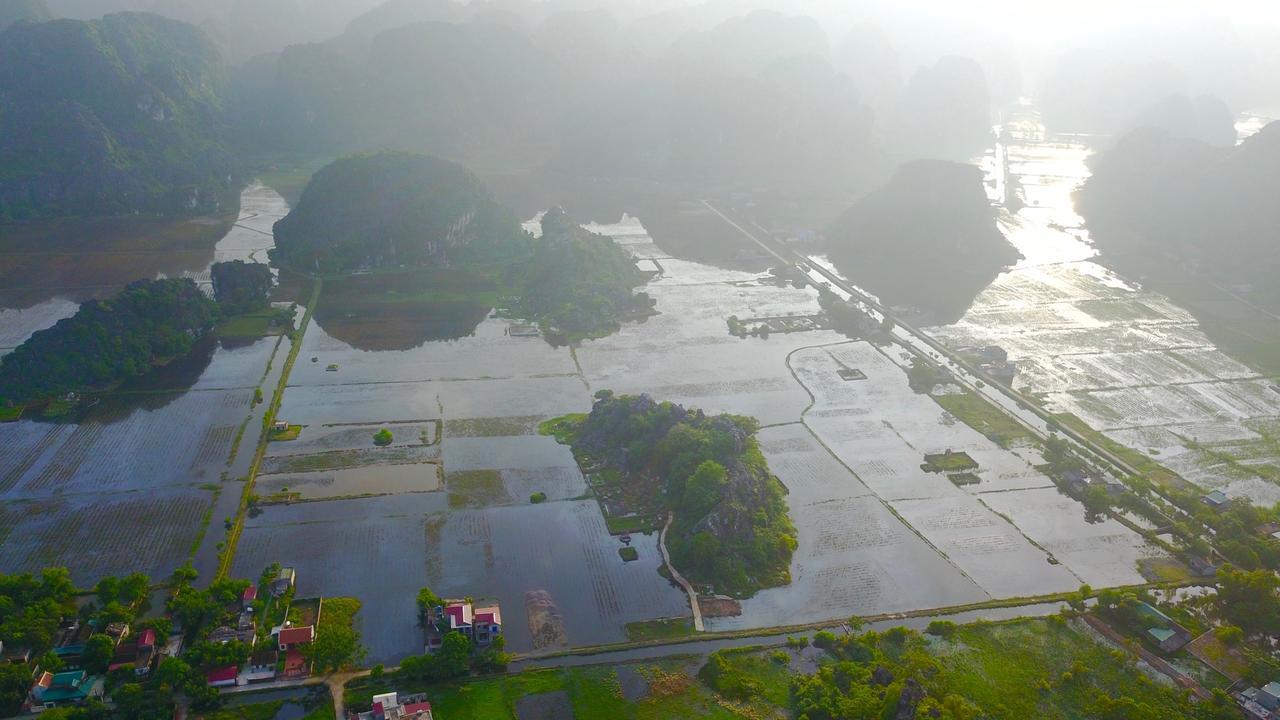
(285, 580)
(1216, 499)
(390, 706)
(1168, 635)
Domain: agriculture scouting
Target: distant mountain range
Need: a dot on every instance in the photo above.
(112, 116)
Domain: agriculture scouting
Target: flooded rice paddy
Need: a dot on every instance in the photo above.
(447, 504)
(1123, 358)
(128, 484)
(877, 534)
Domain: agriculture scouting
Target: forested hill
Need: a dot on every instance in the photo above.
(112, 116)
(1211, 210)
(927, 239)
(731, 528)
(392, 209)
(108, 341)
(578, 282)
(12, 11)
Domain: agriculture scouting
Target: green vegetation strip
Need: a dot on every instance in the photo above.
(233, 535)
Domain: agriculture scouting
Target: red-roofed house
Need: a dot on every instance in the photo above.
(222, 677)
(480, 625)
(389, 706)
(290, 638)
(487, 626)
(248, 596)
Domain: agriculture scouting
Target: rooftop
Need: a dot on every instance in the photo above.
(297, 635)
(223, 674)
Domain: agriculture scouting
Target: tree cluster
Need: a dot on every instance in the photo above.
(731, 528)
(108, 341)
(576, 281)
(241, 287)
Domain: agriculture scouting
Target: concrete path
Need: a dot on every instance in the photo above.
(675, 575)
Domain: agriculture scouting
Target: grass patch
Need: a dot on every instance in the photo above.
(663, 629)
(633, 524)
(748, 674)
(338, 612)
(628, 554)
(949, 462)
(564, 429)
(256, 711)
(290, 433)
(984, 417)
(11, 414)
(475, 488)
(255, 324)
(1043, 668)
(963, 479)
(1159, 569)
(493, 427)
(593, 692)
(344, 459)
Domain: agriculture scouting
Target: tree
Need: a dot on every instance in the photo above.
(241, 287)
(428, 601)
(174, 672)
(98, 651)
(130, 700)
(383, 438)
(15, 681)
(453, 659)
(208, 655)
(333, 648)
(703, 489)
(1249, 599)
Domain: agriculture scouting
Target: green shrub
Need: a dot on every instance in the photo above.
(383, 438)
(941, 628)
(538, 497)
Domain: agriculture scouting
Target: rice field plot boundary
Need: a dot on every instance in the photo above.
(237, 527)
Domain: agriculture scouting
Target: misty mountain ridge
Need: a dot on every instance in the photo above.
(111, 116)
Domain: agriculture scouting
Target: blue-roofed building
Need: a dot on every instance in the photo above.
(1216, 499)
(65, 688)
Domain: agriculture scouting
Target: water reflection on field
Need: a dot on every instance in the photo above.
(1124, 359)
(123, 483)
(876, 533)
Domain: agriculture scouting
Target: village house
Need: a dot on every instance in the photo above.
(481, 625)
(389, 706)
(16, 655)
(139, 653)
(249, 595)
(290, 641)
(1260, 703)
(285, 580)
(1216, 499)
(1166, 634)
(294, 637)
(261, 666)
(222, 677)
(65, 688)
